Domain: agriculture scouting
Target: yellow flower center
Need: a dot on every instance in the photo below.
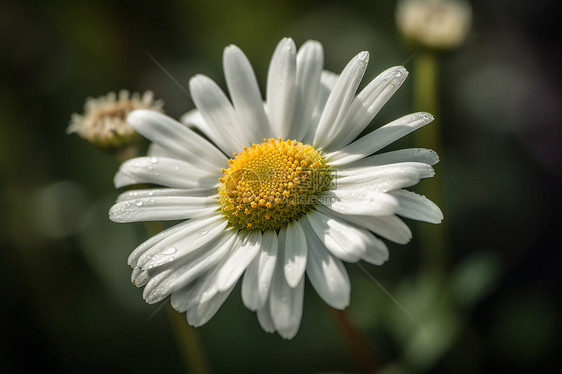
(271, 184)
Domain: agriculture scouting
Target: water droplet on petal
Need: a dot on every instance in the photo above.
(363, 56)
(203, 232)
(154, 160)
(169, 251)
(138, 203)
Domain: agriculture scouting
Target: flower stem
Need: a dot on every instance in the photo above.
(355, 341)
(189, 344)
(187, 338)
(425, 87)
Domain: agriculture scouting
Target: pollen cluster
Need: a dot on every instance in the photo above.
(271, 184)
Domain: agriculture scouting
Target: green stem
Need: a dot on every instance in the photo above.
(189, 344)
(425, 87)
(187, 338)
(355, 341)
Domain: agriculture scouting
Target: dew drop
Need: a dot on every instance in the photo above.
(203, 232)
(154, 160)
(152, 200)
(363, 56)
(138, 203)
(169, 251)
(398, 73)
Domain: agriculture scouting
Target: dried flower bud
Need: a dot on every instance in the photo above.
(104, 122)
(434, 24)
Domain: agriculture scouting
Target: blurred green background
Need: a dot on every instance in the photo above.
(67, 302)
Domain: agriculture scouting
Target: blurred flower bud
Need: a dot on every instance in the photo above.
(434, 24)
(104, 122)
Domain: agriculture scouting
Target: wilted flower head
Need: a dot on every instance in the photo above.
(104, 122)
(435, 24)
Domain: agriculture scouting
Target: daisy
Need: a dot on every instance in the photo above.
(299, 195)
(104, 122)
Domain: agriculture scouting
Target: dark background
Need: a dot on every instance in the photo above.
(67, 304)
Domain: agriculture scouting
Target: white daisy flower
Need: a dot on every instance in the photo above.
(299, 196)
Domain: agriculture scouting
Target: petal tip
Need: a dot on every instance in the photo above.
(138, 116)
(363, 56)
(428, 117)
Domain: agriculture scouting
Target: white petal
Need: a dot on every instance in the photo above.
(139, 277)
(310, 59)
(194, 119)
(154, 150)
(166, 172)
(159, 294)
(360, 202)
(245, 94)
(181, 273)
(257, 279)
(201, 313)
(265, 319)
(219, 114)
(368, 103)
(180, 299)
(155, 239)
(285, 302)
(177, 138)
(295, 252)
(197, 233)
(281, 88)
(204, 288)
(379, 138)
(340, 99)
(418, 207)
(327, 275)
(239, 260)
(121, 179)
(161, 208)
(345, 241)
(385, 177)
(165, 192)
(389, 227)
(327, 82)
(426, 156)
